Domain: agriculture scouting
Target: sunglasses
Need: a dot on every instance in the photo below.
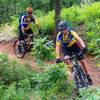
(29, 13)
(63, 29)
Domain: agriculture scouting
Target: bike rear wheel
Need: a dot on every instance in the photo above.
(19, 53)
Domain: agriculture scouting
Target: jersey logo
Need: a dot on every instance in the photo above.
(65, 37)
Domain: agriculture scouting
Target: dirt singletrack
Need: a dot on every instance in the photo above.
(7, 47)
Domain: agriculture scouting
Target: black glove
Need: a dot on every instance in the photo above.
(58, 61)
(84, 50)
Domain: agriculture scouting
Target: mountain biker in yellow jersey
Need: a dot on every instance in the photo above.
(71, 43)
(25, 25)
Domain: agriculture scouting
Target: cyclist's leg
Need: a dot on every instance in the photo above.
(20, 36)
(82, 60)
(75, 49)
(85, 65)
(29, 31)
(31, 34)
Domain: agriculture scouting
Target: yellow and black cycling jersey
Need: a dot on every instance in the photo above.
(26, 22)
(66, 39)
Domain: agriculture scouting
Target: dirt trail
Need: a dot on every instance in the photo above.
(7, 47)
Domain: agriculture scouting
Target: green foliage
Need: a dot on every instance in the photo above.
(47, 23)
(17, 82)
(36, 4)
(11, 71)
(41, 51)
(68, 3)
(6, 10)
(14, 23)
(14, 80)
(10, 93)
(14, 7)
(81, 15)
(94, 43)
(90, 94)
(93, 37)
(39, 13)
(53, 83)
(87, 16)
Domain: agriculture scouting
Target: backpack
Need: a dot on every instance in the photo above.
(20, 17)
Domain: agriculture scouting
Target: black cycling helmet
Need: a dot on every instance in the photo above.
(62, 25)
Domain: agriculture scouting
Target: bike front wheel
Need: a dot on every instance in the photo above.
(76, 80)
(80, 77)
(20, 52)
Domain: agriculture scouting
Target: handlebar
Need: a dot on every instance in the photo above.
(73, 56)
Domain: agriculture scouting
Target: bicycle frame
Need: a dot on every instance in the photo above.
(74, 60)
(78, 72)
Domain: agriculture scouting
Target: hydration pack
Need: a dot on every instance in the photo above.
(20, 17)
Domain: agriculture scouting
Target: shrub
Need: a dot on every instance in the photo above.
(39, 13)
(18, 83)
(47, 23)
(14, 23)
(10, 93)
(15, 80)
(41, 51)
(89, 94)
(11, 71)
(53, 83)
(94, 43)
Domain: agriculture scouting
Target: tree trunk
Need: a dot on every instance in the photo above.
(57, 16)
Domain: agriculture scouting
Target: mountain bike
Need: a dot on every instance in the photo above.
(26, 44)
(79, 76)
(24, 47)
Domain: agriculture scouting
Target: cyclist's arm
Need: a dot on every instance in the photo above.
(79, 40)
(58, 46)
(22, 29)
(35, 22)
(22, 23)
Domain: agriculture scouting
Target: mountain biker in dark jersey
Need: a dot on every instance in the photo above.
(71, 43)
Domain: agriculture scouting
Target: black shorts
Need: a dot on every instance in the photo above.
(21, 36)
(73, 49)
